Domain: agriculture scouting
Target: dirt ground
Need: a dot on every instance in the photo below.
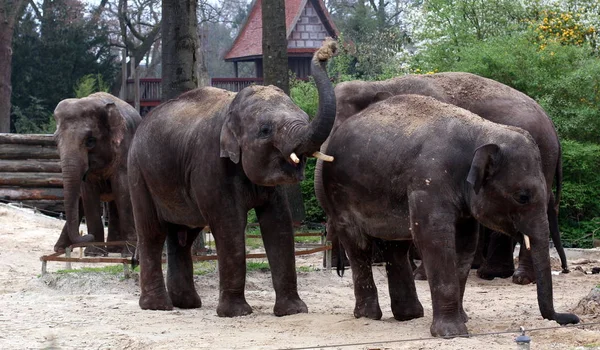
(100, 310)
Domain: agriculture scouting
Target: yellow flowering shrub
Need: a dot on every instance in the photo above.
(562, 27)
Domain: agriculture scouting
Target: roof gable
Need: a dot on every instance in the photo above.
(307, 23)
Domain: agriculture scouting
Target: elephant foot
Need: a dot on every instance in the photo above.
(408, 312)
(489, 271)
(368, 309)
(61, 245)
(95, 251)
(566, 318)
(420, 274)
(289, 306)
(151, 302)
(522, 276)
(448, 327)
(464, 315)
(190, 300)
(233, 307)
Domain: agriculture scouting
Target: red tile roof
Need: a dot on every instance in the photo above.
(249, 40)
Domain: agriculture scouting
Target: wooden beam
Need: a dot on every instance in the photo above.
(27, 151)
(31, 179)
(30, 166)
(28, 139)
(18, 194)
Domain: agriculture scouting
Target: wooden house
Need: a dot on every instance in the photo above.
(307, 22)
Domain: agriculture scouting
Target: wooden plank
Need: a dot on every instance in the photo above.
(18, 194)
(31, 179)
(30, 166)
(28, 139)
(18, 151)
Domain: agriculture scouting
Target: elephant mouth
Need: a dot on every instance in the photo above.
(294, 169)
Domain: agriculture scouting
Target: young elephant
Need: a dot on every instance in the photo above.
(413, 168)
(208, 157)
(492, 101)
(93, 135)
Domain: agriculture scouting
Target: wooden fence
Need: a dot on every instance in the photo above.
(30, 171)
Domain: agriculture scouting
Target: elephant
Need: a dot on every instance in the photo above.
(446, 171)
(94, 134)
(208, 157)
(493, 101)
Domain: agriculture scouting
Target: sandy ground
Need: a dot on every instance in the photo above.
(100, 311)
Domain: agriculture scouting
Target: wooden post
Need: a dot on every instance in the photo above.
(136, 85)
(235, 69)
(123, 92)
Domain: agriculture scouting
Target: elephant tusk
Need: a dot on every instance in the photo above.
(295, 158)
(527, 244)
(322, 156)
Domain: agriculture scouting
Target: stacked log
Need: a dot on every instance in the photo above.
(30, 171)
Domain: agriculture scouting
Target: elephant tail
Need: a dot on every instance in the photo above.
(558, 178)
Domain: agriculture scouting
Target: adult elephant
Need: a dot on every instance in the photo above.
(493, 101)
(93, 135)
(446, 171)
(208, 157)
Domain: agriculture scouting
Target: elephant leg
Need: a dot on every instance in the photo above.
(467, 236)
(499, 260)
(228, 231)
(120, 189)
(524, 273)
(151, 239)
(403, 294)
(433, 228)
(93, 217)
(480, 251)
(360, 254)
(278, 236)
(64, 241)
(114, 229)
(180, 268)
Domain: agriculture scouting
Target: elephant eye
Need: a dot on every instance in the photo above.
(522, 197)
(265, 131)
(90, 142)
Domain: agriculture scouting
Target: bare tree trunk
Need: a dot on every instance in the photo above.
(179, 47)
(203, 77)
(9, 11)
(274, 44)
(275, 72)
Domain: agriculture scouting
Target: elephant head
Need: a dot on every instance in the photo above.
(89, 133)
(271, 136)
(508, 194)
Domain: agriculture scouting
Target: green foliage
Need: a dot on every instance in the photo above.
(305, 95)
(50, 57)
(202, 268)
(110, 269)
(88, 84)
(33, 118)
(314, 212)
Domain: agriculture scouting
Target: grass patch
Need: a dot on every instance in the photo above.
(205, 267)
(305, 269)
(111, 270)
(261, 266)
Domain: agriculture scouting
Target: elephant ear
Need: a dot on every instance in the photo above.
(230, 148)
(381, 95)
(116, 125)
(484, 165)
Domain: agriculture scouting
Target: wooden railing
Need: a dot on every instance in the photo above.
(150, 90)
(234, 84)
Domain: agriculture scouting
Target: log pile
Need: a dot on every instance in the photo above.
(30, 171)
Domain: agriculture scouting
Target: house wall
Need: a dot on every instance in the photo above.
(309, 32)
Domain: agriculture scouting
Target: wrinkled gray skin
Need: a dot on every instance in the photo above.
(206, 158)
(446, 170)
(93, 135)
(492, 101)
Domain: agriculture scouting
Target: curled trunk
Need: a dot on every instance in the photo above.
(320, 127)
(541, 265)
(73, 171)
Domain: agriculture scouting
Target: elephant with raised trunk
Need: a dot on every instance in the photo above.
(93, 135)
(492, 101)
(412, 168)
(206, 158)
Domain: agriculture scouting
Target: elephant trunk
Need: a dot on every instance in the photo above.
(537, 231)
(73, 170)
(320, 127)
